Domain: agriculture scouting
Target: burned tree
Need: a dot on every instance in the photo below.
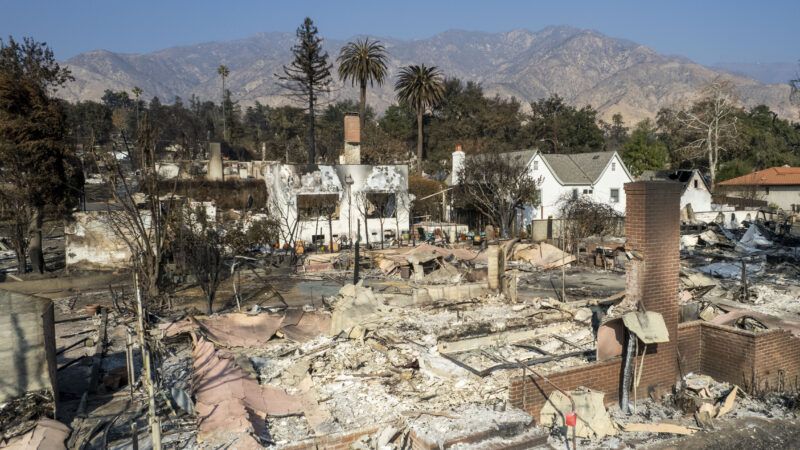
(583, 217)
(711, 124)
(203, 248)
(306, 77)
(135, 213)
(497, 186)
(36, 164)
(319, 206)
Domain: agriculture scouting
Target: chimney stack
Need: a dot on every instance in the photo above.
(352, 140)
(214, 172)
(459, 157)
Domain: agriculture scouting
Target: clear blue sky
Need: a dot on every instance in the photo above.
(705, 31)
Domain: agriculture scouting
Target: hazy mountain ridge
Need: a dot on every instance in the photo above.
(583, 66)
(775, 72)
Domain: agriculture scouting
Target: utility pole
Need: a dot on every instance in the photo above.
(155, 426)
(357, 257)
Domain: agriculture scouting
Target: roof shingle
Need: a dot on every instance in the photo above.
(774, 176)
(578, 168)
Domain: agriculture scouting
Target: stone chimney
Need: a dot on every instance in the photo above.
(214, 172)
(352, 140)
(459, 158)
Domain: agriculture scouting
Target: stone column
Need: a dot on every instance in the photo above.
(214, 172)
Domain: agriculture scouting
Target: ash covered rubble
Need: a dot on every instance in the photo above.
(424, 350)
(746, 275)
(436, 368)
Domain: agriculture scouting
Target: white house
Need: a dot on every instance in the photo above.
(599, 175)
(377, 196)
(696, 191)
(332, 202)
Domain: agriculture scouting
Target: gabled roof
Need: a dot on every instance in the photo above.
(578, 168)
(569, 169)
(679, 176)
(774, 176)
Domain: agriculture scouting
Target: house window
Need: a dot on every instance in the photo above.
(588, 191)
(575, 193)
(767, 189)
(536, 164)
(614, 195)
(695, 184)
(613, 166)
(380, 205)
(318, 206)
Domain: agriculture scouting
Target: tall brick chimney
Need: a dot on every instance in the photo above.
(652, 228)
(352, 140)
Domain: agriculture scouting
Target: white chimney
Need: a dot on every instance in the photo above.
(458, 164)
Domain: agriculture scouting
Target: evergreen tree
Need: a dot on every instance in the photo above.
(308, 76)
(644, 151)
(35, 161)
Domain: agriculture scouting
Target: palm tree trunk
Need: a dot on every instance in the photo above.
(419, 142)
(362, 111)
(224, 122)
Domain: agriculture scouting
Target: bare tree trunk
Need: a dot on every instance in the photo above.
(210, 303)
(312, 144)
(35, 246)
(712, 164)
(224, 122)
(362, 111)
(22, 261)
(366, 229)
(419, 142)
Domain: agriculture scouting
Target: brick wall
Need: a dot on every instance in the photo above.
(530, 393)
(652, 229)
(689, 346)
(728, 354)
(767, 360)
(777, 364)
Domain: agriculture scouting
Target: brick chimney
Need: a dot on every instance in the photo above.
(652, 228)
(352, 140)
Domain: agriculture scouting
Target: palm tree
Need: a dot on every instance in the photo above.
(362, 62)
(421, 88)
(137, 92)
(223, 72)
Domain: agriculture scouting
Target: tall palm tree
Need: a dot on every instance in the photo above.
(362, 62)
(223, 72)
(137, 92)
(421, 88)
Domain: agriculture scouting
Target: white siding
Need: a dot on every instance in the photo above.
(612, 179)
(553, 192)
(696, 194)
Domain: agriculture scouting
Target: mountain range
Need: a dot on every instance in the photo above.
(585, 67)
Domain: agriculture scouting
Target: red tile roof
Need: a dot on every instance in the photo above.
(774, 176)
